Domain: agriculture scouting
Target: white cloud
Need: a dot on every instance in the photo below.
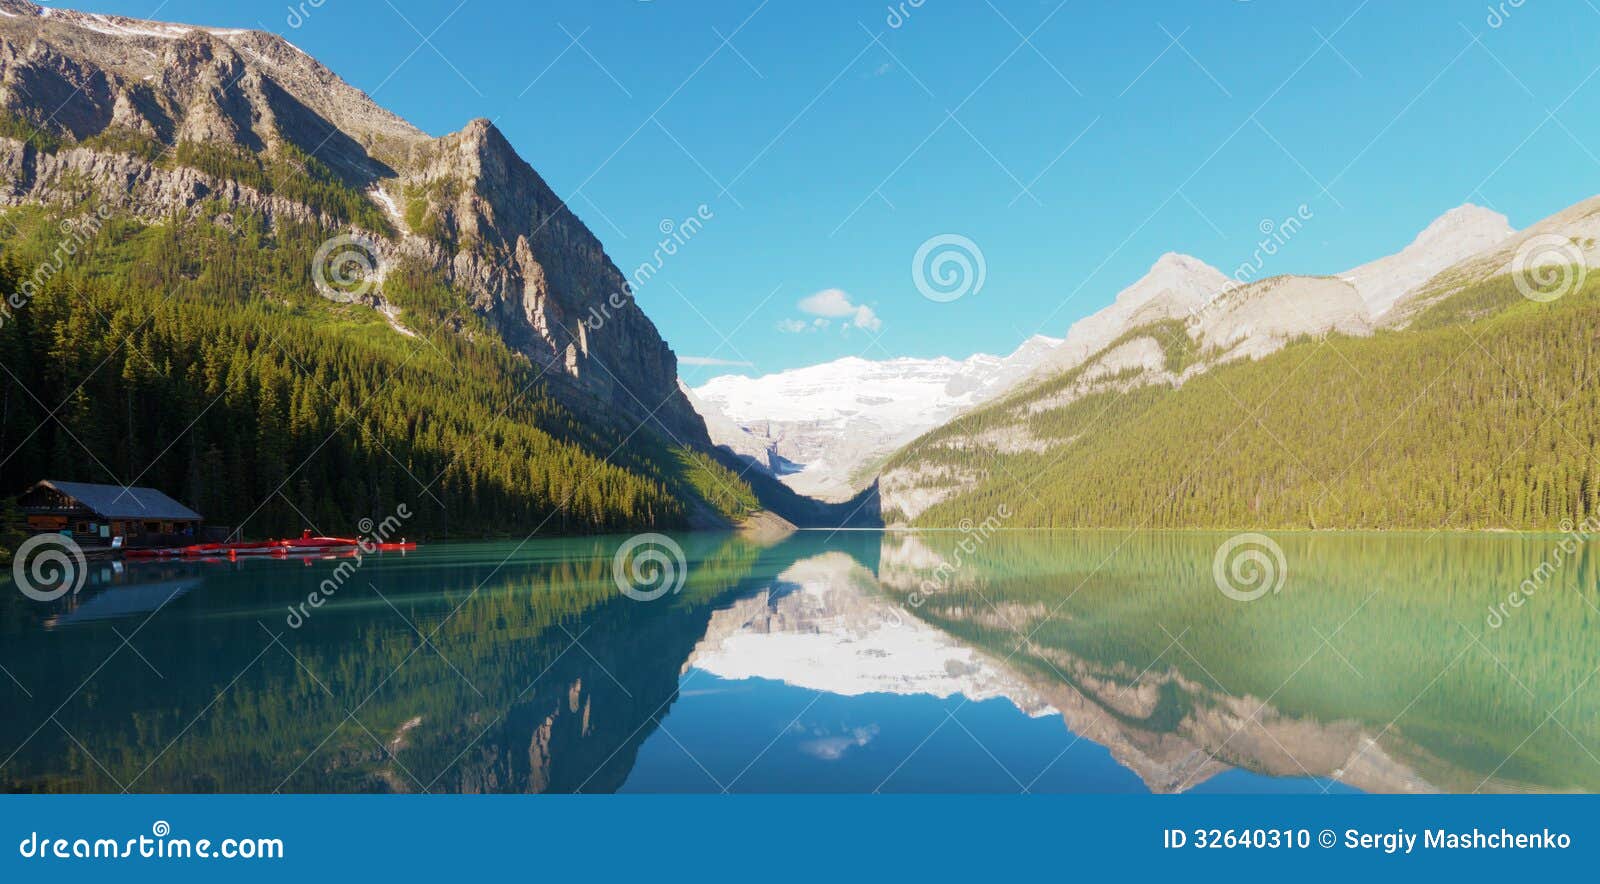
(793, 326)
(832, 303)
(836, 304)
(711, 360)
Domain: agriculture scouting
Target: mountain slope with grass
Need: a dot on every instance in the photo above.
(1474, 407)
(231, 275)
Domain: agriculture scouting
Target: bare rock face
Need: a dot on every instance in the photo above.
(465, 204)
(1258, 319)
(542, 276)
(1454, 236)
(1183, 318)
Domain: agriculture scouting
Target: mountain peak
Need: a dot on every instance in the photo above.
(1177, 260)
(1467, 218)
(1463, 231)
(1184, 278)
(481, 128)
(474, 211)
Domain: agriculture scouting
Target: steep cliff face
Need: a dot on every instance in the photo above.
(538, 273)
(125, 111)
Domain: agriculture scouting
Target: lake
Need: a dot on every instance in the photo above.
(853, 661)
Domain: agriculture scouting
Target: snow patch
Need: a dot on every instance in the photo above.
(382, 198)
(835, 419)
(391, 315)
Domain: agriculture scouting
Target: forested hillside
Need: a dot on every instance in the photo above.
(194, 356)
(1483, 413)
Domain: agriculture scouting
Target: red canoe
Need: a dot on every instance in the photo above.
(306, 543)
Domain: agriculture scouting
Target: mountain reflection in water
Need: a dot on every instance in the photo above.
(1042, 662)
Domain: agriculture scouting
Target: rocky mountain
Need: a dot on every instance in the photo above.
(1454, 236)
(1184, 319)
(1228, 319)
(1539, 255)
(162, 119)
(822, 429)
(1176, 287)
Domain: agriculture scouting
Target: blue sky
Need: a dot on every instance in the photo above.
(828, 141)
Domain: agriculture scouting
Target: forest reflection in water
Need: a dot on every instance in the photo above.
(853, 661)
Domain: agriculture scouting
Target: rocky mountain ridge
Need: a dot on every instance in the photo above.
(117, 109)
(823, 428)
(1184, 318)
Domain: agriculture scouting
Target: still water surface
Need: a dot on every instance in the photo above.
(847, 662)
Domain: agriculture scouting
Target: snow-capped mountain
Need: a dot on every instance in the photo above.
(823, 428)
(824, 625)
(820, 428)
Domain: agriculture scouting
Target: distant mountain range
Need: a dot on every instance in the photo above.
(822, 429)
(395, 315)
(1450, 385)
(333, 311)
(825, 429)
